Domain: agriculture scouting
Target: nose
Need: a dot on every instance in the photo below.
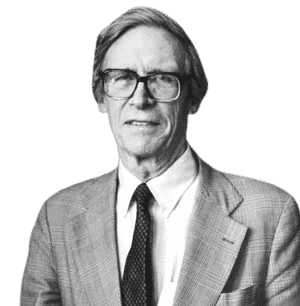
(140, 98)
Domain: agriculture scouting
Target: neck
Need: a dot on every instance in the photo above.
(146, 168)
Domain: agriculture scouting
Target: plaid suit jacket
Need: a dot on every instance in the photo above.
(243, 246)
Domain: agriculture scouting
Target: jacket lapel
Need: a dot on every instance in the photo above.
(93, 235)
(213, 240)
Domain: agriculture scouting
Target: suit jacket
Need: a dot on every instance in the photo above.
(243, 246)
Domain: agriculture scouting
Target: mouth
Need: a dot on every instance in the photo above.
(141, 123)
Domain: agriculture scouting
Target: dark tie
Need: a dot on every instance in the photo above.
(137, 282)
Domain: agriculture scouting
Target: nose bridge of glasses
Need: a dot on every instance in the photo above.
(144, 80)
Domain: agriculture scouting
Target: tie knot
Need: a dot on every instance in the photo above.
(142, 194)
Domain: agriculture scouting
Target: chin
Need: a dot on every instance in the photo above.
(143, 151)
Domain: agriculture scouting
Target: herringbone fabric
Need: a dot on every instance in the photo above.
(137, 278)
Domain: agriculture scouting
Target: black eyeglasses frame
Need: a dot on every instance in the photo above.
(181, 78)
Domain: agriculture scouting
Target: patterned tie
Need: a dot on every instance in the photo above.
(137, 283)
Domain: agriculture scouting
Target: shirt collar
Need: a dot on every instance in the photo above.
(166, 188)
(127, 185)
(169, 187)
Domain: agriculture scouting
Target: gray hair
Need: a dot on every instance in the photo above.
(146, 16)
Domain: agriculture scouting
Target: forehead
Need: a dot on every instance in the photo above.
(144, 49)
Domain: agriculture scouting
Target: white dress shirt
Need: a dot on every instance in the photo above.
(174, 194)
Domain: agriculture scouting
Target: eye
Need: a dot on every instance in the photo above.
(166, 78)
(127, 77)
(163, 78)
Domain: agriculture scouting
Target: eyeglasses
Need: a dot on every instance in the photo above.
(121, 84)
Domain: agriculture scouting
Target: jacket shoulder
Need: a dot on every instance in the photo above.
(253, 188)
(261, 200)
(75, 199)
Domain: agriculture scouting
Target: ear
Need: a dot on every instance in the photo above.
(195, 98)
(102, 107)
(193, 108)
(100, 99)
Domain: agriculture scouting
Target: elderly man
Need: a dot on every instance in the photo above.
(164, 228)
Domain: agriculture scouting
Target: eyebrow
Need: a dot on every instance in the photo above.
(162, 71)
(152, 71)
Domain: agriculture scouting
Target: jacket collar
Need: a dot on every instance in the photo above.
(218, 189)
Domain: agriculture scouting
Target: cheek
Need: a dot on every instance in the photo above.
(113, 116)
(174, 118)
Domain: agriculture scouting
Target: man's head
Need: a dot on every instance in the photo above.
(153, 18)
(164, 82)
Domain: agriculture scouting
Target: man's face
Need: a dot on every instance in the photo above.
(142, 126)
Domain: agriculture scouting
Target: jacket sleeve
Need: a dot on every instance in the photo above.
(39, 284)
(283, 282)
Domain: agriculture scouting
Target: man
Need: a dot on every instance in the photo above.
(164, 228)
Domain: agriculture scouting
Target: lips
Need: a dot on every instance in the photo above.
(141, 123)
